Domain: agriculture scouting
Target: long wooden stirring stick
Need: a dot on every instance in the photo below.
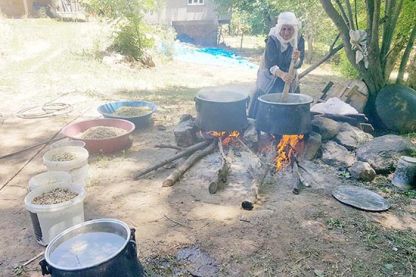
(291, 72)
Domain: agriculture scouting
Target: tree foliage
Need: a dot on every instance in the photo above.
(130, 34)
(387, 26)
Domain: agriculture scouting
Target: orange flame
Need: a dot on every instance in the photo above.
(226, 138)
(287, 149)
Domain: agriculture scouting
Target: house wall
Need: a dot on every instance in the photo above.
(179, 10)
(199, 22)
(201, 32)
(16, 8)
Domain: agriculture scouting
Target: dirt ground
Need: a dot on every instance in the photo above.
(182, 230)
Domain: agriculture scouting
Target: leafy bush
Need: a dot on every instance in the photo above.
(130, 38)
(346, 68)
(164, 37)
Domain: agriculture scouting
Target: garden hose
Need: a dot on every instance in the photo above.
(46, 110)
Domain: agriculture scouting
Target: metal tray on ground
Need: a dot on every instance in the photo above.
(361, 198)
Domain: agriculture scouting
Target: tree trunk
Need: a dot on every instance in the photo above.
(411, 81)
(241, 40)
(373, 76)
(393, 56)
(406, 54)
(310, 49)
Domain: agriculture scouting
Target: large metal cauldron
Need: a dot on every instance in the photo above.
(221, 110)
(291, 117)
(101, 247)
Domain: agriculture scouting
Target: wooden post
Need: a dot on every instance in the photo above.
(26, 8)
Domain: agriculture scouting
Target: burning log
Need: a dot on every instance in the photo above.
(255, 187)
(300, 180)
(222, 174)
(256, 184)
(177, 173)
(181, 154)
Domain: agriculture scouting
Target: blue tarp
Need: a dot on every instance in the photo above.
(210, 56)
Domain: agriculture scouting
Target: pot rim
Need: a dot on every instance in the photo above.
(48, 250)
(307, 100)
(244, 97)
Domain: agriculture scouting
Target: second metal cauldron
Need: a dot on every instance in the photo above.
(292, 117)
(221, 110)
(100, 247)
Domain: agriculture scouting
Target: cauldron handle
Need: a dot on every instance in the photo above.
(133, 234)
(132, 250)
(45, 267)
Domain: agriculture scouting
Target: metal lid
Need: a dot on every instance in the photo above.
(408, 159)
(361, 198)
(292, 99)
(87, 244)
(221, 95)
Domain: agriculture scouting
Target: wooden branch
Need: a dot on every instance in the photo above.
(334, 42)
(222, 177)
(168, 146)
(406, 54)
(356, 15)
(177, 222)
(34, 258)
(321, 61)
(374, 46)
(181, 154)
(191, 160)
(343, 14)
(343, 29)
(254, 189)
(392, 15)
(257, 183)
(350, 16)
(51, 140)
(298, 183)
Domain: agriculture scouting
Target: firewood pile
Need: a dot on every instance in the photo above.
(193, 145)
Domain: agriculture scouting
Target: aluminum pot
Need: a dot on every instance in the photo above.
(221, 110)
(291, 117)
(101, 247)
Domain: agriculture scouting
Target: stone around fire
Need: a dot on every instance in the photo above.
(337, 155)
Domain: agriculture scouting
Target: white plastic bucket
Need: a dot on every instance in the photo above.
(50, 177)
(78, 168)
(55, 218)
(67, 142)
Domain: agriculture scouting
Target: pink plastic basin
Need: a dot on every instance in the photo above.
(109, 145)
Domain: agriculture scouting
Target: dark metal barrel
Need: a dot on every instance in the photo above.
(291, 117)
(221, 110)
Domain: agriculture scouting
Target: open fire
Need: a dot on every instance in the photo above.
(225, 137)
(288, 149)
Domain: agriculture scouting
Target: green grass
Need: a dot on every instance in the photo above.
(334, 223)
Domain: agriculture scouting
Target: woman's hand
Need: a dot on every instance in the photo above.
(284, 76)
(295, 55)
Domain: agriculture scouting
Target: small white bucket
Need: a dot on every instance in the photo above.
(55, 218)
(67, 142)
(78, 167)
(48, 178)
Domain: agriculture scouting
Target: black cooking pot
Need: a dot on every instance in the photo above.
(221, 110)
(291, 117)
(101, 247)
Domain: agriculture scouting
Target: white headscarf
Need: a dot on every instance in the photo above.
(286, 18)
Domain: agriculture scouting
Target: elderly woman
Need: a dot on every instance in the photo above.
(282, 44)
